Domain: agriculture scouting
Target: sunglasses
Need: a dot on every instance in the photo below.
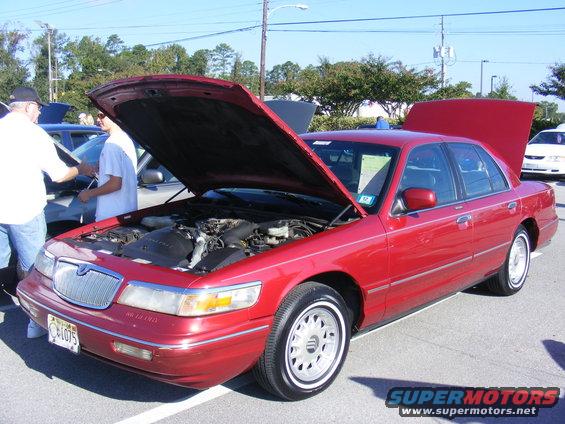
(101, 115)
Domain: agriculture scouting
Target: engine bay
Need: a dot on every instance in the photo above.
(199, 241)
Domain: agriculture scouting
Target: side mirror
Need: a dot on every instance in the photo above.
(152, 176)
(419, 198)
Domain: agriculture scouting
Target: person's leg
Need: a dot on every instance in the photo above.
(28, 239)
(5, 250)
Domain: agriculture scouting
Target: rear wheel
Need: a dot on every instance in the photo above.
(511, 277)
(307, 345)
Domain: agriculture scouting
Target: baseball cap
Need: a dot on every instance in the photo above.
(26, 94)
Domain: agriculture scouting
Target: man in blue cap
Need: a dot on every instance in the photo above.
(26, 151)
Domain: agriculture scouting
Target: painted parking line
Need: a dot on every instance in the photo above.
(535, 255)
(184, 404)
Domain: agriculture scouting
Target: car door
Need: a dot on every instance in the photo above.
(492, 204)
(157, 193)
(431, 249)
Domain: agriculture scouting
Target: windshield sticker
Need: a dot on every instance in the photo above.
(322, 143)
(366, 199)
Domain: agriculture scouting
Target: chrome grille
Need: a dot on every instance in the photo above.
(85, 284)
(534, 157)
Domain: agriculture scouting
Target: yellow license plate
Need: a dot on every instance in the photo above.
(63, 333)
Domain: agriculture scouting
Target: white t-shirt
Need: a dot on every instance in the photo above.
(25, 151)
(117, 159)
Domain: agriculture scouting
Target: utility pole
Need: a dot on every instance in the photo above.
(263, 47)
(483, 61)
(50, 71)
(443, 55)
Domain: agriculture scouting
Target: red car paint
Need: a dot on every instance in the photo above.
(396, 262)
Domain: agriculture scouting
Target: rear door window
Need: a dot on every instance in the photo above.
(473, 170)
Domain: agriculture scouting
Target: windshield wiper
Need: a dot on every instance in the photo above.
(293, 198)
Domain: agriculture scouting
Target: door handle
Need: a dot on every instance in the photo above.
(463, 219)
(512, 205)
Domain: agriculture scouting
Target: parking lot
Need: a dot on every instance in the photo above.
(470, 339)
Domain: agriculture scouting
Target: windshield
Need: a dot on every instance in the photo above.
(90, 151)
(550, 137)
(363, 168)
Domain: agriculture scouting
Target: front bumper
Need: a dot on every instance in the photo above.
(541, 167)
(193, 352)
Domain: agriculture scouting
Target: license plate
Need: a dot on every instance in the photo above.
(63, 333)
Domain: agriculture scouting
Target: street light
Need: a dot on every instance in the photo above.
(50, 74)
(266, 15)
(483, 61)
(492, 82)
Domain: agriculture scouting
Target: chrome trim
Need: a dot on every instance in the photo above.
(83, 268)
(484, 252)
(413, 277)
(376, 289)
(512, 205)
(179, 290)
(140, 341)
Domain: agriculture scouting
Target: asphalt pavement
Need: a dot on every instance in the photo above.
(470, 339)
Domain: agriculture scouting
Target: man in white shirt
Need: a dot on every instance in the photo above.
(26, 151)
(116, 193)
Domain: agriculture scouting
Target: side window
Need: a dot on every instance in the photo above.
(56, 136)
(167, 176)
(79, 139)
(473, 170)
(496, 177)
(427, 167)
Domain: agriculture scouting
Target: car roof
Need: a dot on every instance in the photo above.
(553, 130)
(70, 127)
(396, 138)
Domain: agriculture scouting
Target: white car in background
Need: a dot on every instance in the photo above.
(545, 154)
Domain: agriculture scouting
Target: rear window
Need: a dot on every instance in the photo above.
(363, 168)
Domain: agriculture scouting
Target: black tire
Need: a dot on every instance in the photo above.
(277, 370)
(512, 276)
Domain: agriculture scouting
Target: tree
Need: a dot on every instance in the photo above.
(280, 78)
(245, 72)
(222, 60)
(394, 86)
(199, 62)
(503, 90)
(555, 85)
(461, 90)
(13, 72)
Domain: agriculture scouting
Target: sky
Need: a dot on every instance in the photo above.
(518, 46)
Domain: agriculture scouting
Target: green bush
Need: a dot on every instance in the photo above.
(331, 123)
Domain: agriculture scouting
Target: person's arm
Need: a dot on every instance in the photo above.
(110, 186)
(81, 169)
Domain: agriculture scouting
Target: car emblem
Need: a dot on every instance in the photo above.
(82, 269)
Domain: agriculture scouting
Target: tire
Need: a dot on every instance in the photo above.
(293, 367)
(512, 276)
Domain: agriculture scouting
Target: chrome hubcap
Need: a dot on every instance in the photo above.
(315, 342)
(518, 261)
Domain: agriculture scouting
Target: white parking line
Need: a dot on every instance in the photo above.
(535, 255)
(173, 408)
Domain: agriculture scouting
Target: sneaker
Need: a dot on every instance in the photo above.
(35, 330)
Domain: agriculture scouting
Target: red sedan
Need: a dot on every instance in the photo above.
(289, 245)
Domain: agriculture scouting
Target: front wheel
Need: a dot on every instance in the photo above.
(511, 277)
(307, 345)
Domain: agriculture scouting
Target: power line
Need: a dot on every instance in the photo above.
(400, 31)
(64, 9)
(35, 8)
(198, 37)
(390, 18)
(497, 12)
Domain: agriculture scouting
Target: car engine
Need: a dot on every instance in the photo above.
(198, 244)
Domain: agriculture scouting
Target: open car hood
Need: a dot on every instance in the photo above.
(212, 134)
(502, 124)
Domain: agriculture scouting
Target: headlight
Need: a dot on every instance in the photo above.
(556, 158)
(189, 302)
(44, 263)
